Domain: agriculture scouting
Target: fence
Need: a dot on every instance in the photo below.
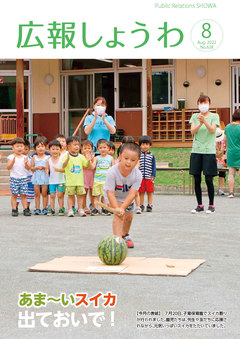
(8, 127)
(191, 177)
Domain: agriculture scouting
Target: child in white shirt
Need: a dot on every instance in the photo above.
(56, 177)
(18, 165)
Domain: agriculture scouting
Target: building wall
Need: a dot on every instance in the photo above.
(215, 69)
(46, 124)
(130, 122)
(46, 98)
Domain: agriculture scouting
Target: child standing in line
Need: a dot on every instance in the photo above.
(30, 193)
(56, 177)
(126, 138)
(122, 183)
(63, 141)
(18, 165)
(102, 163)
(148, 170)
(73, 164)
(88, 174)
(111, 151)
(40, 178)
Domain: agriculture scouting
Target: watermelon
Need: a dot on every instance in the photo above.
(112, 250)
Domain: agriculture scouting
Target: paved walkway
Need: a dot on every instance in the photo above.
(169, 231)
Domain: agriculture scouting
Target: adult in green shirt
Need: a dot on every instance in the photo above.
(232, 140)
(203, 156)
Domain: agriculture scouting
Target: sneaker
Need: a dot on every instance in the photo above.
(220, 192)
(37, 211)
(27, 212)
(210, 210)
(70, 213)
(105, 212)
(231, 195)
(61, 212)
(14, 212)
(149, 208)
(128, 241)
(142, 208)
(95, 211)
(87, 211)
(45, 211)
(74, 210)
(108, 213)
(138, 210)
(197, 210)
(82, 213)
(90, 206)
(51, 212)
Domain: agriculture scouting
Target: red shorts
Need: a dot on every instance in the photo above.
(146, 186)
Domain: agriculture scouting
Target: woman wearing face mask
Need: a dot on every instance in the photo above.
(99, 125)
(232, 140)
(203, 156)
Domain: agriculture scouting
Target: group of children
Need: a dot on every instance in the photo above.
(59, 168)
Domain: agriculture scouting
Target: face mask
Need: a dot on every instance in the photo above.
(203, 108)
(100, 109)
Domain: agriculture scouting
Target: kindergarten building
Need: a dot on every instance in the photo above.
(58, 92)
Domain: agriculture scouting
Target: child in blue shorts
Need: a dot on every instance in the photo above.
(40, 178)
(56, 177)
(102, 163)
(18, 165)
(30, 193)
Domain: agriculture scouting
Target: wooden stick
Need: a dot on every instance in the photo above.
(110, 209)
(80, 123)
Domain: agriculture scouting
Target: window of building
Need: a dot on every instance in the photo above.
(130, 90)
(130, 63)
(8, 93)
(104, 87)
(80, 90)
(162, 93)
(163, 83)
(119, 79)
(78, 64)
(8, 65)
(157, 62)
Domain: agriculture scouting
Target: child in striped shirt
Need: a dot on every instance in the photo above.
(148, 170)
(102, 163)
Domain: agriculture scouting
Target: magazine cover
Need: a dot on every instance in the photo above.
(119, 163)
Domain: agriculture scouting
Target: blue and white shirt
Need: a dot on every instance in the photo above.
(103, 165)
(148, 165)
(100, 130)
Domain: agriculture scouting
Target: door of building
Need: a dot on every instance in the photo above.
(78, 92)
